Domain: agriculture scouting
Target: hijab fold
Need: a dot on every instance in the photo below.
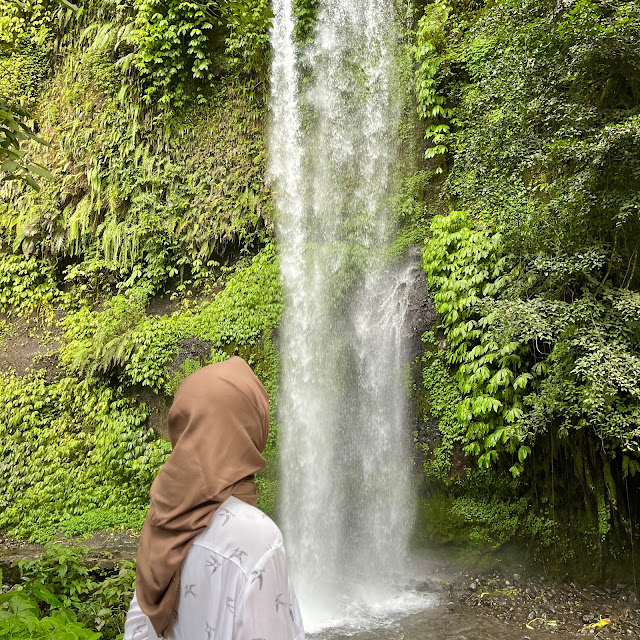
(218, 426)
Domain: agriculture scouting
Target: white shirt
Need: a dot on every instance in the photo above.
(233, 584)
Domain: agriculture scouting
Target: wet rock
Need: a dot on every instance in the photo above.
(427, 586)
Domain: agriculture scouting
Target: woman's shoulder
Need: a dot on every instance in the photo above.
(240, 533)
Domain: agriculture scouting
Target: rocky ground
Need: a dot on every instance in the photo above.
(535, 604)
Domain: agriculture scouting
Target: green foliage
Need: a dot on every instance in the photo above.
(305, 13)
(21, 620)
(430, 58)
(483, 521)
(22, 74)
(182, 45)
(443, 397)
(128, 206)
(26, 284)
(76, 456)
(59, 570)
(410, 213)
(537, 282)
(59, 597)
(267, 366)
(27, 22)
(13, 132)
(98, 598)
(550, 116)
(530, 367)
(247, 42)
(145, 199)
(140, 348)
(176, 42)
(96, 341)
(24, 33)
(526, 364)
(462, 269)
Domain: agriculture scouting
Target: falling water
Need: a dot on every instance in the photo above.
(346, 507)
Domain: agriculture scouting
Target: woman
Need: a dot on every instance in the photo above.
(211, 565)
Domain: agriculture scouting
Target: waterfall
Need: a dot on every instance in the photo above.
(345, 450)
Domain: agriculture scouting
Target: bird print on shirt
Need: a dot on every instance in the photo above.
(257, 575)
(238, 553)
(212, 590)
(214, 563)
(226, 514)
(281, 602)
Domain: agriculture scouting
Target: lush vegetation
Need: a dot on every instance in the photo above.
(532, 114)
(143, 252)
(59, 598)
(136, 245)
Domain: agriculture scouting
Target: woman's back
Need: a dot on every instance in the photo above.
(233, 586)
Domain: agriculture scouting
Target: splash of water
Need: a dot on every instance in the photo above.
(346, 495)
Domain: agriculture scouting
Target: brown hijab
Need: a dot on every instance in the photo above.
(218, 425)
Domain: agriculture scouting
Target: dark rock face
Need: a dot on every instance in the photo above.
(159, 405)
(31, 343)
(192, 349)
(427, 432)
(422, 316)
(421, 310)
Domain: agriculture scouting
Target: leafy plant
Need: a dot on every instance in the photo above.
(430, 59)
(20, 619)
(536, 280)
(60, 597)
(14, 131)
(183, 45)
(175, 42)
(81, 448)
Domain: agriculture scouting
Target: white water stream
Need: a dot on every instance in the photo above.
(345, 446)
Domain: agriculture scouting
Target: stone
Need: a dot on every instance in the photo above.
(426, 586)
